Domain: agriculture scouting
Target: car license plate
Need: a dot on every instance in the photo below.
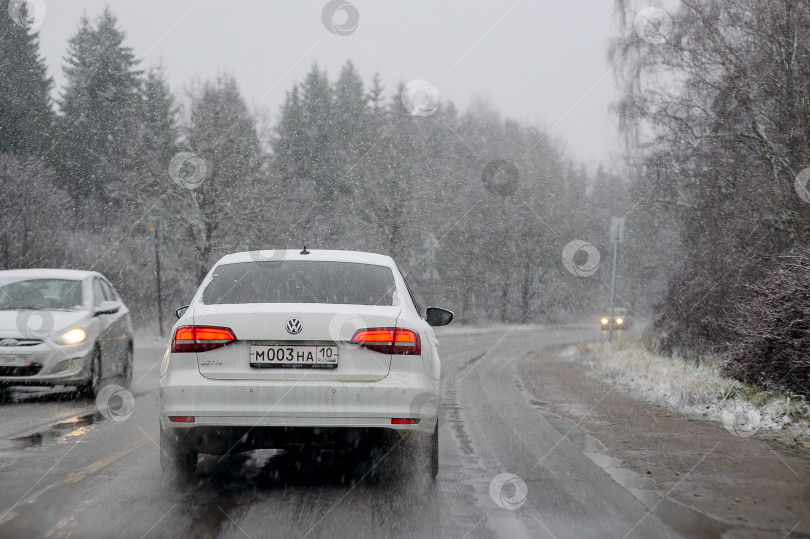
(317, 357)
(14, 360)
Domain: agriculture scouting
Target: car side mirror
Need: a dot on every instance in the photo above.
(437, 316)
(181, 311)
(107, 307)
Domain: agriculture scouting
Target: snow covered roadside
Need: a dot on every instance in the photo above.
(459, 329)
(700, 391)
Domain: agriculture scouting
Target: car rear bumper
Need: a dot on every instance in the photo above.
(278, 407)
(224, 440)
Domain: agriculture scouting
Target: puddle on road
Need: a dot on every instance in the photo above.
(75, 426)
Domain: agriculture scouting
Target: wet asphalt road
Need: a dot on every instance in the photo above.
(65, 471)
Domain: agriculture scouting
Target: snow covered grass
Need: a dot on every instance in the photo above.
(456, 328)
(700, 390)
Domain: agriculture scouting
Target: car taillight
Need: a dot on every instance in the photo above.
(389, 340)
(201, 338)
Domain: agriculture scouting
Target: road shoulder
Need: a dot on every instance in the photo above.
(747, 485)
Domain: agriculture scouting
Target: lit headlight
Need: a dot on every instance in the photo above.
(604, 321)
(619, 320)
(74, 336)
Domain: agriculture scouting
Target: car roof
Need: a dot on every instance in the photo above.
(48, 273)
(321, 255)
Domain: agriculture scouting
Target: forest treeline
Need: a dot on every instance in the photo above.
(716, 112)
(342, 164)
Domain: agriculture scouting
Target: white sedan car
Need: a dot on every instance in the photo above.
(62, 327)
(310, 349)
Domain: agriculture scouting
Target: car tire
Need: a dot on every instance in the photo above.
(93, 385)
(126, 375)
(176, 462)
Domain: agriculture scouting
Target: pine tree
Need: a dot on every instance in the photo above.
(222, 131)
(375, 94)
(309, 153)
(155, 141)
(350, 106)
(317, 142)
(158, 120)
(26, 116)
(100, 106)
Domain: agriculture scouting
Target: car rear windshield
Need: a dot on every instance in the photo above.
(301, 282)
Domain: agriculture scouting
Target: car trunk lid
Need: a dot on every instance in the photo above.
(321, 325)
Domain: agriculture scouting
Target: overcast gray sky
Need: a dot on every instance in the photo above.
(539, 61)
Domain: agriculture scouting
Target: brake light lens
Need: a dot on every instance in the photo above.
(181, 418)
(201, 338)
(389, 341)
(405, 421)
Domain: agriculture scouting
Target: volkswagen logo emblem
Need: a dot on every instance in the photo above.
(294, 326)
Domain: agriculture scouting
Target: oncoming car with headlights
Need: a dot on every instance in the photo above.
(62, 327)
(621, 319)
(310, 349)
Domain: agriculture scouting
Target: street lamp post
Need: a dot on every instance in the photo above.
(155, 226)
(617, 237)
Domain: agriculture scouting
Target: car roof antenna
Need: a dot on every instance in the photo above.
(304, 251)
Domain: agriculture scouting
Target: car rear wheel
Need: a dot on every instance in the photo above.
(176, 461)
(91, 388)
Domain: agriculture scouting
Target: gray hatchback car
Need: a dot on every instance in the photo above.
(62, 327)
